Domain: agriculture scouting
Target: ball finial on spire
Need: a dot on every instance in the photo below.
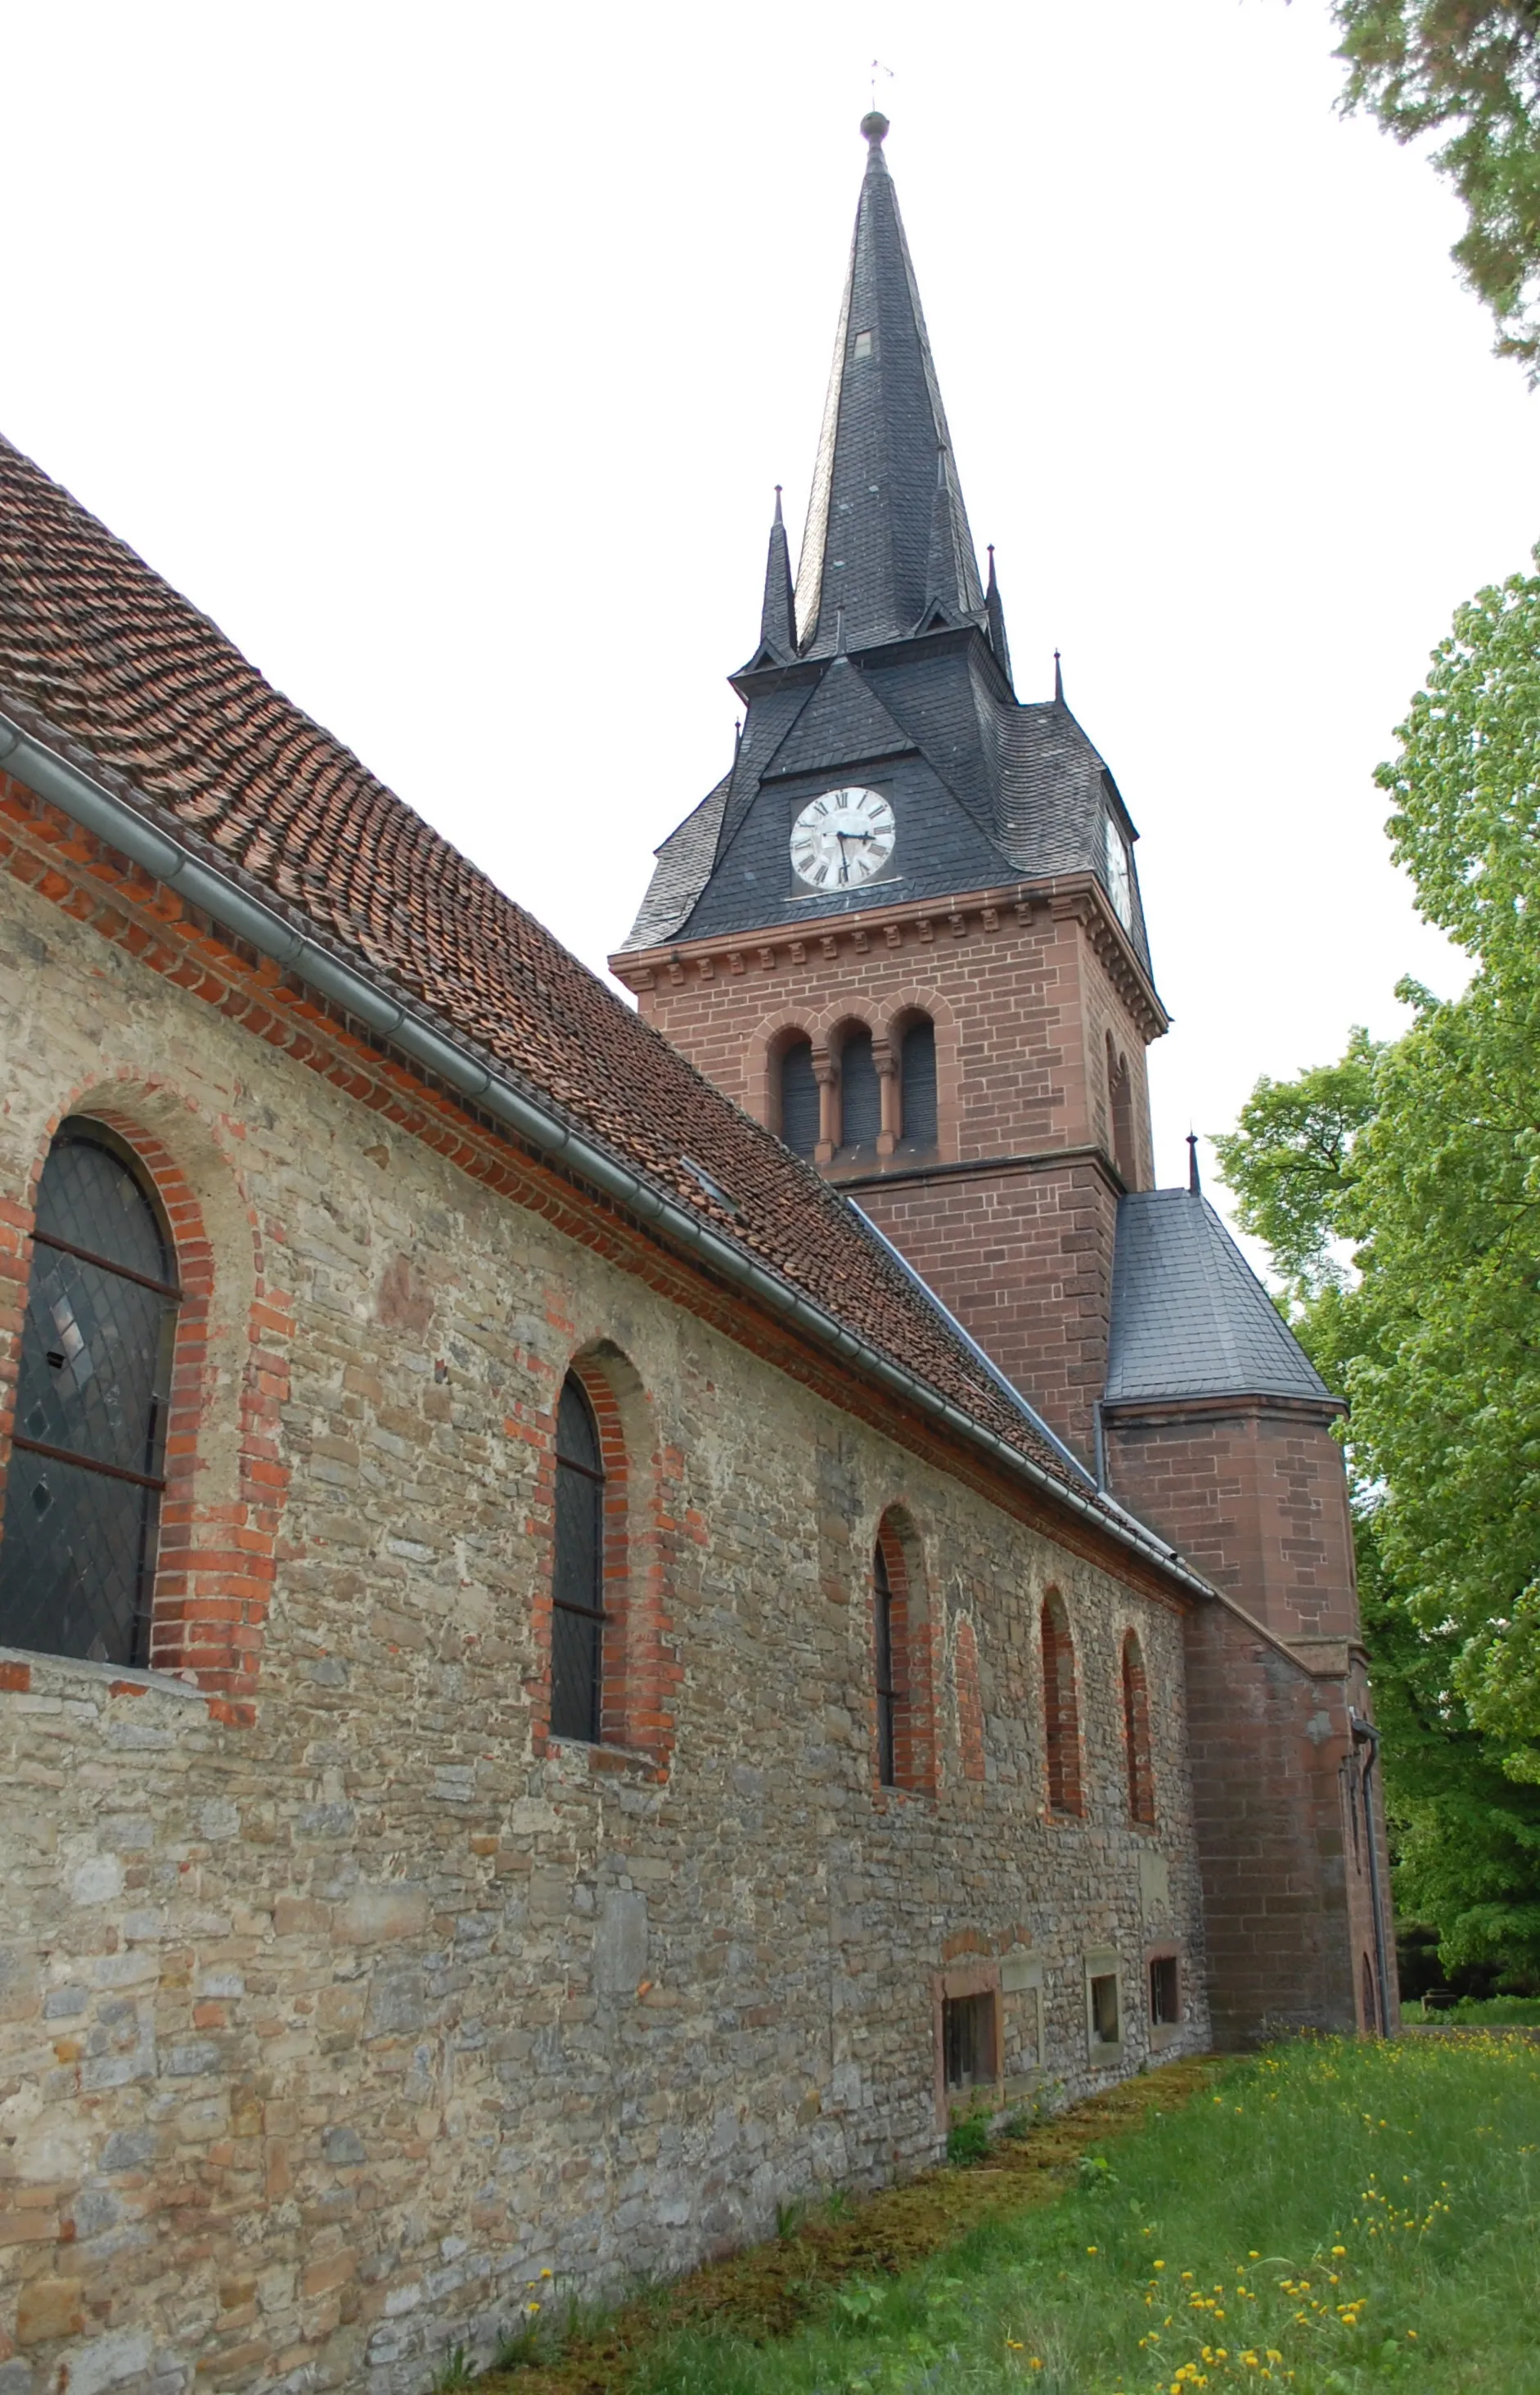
(874, 124)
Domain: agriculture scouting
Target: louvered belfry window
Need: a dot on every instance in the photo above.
(577, 1613)
(860, 1097)
(77, 1555)
(917, 1085)
(799, 1099)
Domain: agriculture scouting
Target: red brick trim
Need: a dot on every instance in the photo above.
(43, 848)
(1137, 1751)
(640, 1668)
(1060, 1709)
(914, 1740)
(216, 1560)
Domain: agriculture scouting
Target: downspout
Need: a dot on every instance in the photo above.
(1366, 1733)
(1099, 1430)
(166, 859)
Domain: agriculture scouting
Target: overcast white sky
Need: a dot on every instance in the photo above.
(447, 358)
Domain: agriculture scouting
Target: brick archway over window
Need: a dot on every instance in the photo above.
(642, 1533)
(211, 1584)
(1060, 1707)
(1137, 1743)
(904, 1710)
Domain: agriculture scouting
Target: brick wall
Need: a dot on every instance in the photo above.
(327, 2020)
(1254, 1495)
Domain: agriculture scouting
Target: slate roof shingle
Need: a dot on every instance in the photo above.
(1189, 1316)
(105, 654)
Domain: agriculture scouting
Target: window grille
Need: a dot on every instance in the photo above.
(890, 1695)
(577, 1613)
(860, 1097)
(1060, 1709)
(77, 1556)
(799, 1099)
(917, 1083)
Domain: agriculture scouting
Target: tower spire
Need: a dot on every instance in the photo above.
(777, 616)
(887, 532)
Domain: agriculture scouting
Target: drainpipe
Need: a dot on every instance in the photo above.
(1366, 1733)
(1099, 1430)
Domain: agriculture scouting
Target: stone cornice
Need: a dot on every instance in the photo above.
(1242, 1406)
(913, 924)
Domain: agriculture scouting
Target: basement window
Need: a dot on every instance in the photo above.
(1165, 1994)
(968, 2042)
(1106, 2024)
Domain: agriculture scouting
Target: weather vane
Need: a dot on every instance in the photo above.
(877, 68)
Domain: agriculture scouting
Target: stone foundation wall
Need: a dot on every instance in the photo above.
(329, 2017)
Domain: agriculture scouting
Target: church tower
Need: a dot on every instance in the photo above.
(905, 929)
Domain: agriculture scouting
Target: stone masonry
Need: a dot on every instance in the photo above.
(337, 2001)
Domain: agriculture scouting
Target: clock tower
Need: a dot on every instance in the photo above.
(905, 929)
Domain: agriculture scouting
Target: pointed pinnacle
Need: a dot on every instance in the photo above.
(1194, 1184)
(1058, 679)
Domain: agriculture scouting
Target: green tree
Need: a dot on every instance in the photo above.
(1470, 70)
(1399, 1194)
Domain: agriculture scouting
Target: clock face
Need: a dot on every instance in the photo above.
(842, 838)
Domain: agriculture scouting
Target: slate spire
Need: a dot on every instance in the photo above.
(994, 609)
(778, 617)
(887, 531)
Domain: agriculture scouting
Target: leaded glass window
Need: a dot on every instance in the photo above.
(578, 1614)
(77, 1554)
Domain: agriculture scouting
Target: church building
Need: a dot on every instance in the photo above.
(608, 1612)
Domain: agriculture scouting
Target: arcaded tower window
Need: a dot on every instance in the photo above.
(799, 1099)
(77, 1556)
(917, 1086)
(577, 1612)
(861, 1098)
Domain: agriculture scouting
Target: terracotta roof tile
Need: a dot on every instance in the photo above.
(116, 661)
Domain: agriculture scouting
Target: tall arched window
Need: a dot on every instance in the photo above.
(1119, 1098)
(888, 1627)
(578, 1586)
(798, 1098)
(917, 1085)
(1060, 1709)
(1136, 1706)
(77, 1554)
(860, 1096)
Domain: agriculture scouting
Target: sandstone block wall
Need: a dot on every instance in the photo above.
(331, 2015)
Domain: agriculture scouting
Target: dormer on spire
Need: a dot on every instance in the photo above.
(777, 616)
(886, 507)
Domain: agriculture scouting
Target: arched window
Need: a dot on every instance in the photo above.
(891, 1697)
(1060, 1709)
(77, 1554)
(1120, 1102)
(860, 1096)
(1136, 1706)
(578, 1587)
(917, 1085)
(798, 1098)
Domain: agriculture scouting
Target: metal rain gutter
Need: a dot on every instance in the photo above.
(112, 819)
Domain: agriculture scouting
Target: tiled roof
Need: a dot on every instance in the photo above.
(94, 644)
(1189, 1316)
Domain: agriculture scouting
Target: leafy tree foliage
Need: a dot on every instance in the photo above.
(1398, 1193)
(1468, 70)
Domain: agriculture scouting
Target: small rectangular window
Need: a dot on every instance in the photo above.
(1165, 1995)
(968, 2042)
(863, 345)
(1105, 2028)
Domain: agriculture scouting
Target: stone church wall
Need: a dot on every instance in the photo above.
(336, 2002)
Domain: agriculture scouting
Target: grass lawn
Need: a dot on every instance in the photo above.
(1330, 2217)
